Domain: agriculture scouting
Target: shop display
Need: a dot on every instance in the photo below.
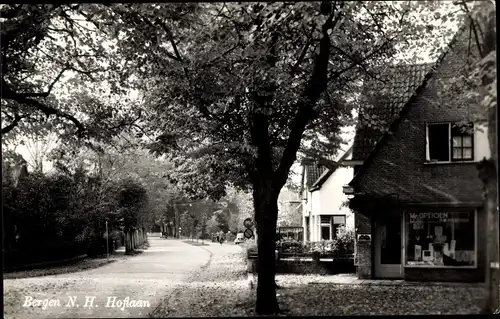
(446, 237)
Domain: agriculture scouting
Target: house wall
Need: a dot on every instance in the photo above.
(399, 167)
(328, 201)
(331, 196)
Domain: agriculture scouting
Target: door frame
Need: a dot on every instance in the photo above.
(389, 271)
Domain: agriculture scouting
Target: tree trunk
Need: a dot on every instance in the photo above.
(128, 246)
(266, 209)
(488, 169)
(488, 174)
(132, 239)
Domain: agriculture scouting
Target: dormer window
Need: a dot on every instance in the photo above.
(449, 142)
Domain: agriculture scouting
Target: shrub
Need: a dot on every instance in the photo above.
(345, 240)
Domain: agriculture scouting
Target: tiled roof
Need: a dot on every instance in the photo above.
(313, 172)
(386, 99)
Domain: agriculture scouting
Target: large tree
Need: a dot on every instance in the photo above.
(243, 90)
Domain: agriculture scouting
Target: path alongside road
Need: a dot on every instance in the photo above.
(214, 290)
(145, 278)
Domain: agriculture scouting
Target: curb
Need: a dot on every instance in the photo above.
(207, 264)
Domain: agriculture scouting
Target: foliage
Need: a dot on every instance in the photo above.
(240, 205)
(132, 203)
(289, 214)
(343, 243)
(43, 213)
(60, 73)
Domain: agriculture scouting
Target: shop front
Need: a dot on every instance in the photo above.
(420, 241)
(443, 244)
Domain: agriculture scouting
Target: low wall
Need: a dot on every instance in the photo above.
(307, 266)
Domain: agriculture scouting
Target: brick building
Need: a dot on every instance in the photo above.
(416, 192)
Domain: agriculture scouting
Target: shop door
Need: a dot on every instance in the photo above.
(387, 243)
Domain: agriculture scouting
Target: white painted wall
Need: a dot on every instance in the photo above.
(331, 196)
(481, 145)
(328, 201)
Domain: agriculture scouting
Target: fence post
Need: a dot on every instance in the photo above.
(315, 258)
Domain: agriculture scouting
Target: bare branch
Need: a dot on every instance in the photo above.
(476, 35)
(374, 19)
(353, 59)
(8, 94)
(11, 126)
(172, 42)
(303, 53)
(359, 61)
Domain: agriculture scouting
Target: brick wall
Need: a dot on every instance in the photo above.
(362, 224)
(399, 165)
(363, 249)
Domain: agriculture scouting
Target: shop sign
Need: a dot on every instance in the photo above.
(438, 217)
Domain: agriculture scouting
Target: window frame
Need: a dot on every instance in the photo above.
(450, 144)
(325, 224)
(454, 210)
(334, 226)
(462, 147)
(331, 225)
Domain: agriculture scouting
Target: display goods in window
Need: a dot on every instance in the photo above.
(440, 239)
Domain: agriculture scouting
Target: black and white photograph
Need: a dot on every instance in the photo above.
(244, 159)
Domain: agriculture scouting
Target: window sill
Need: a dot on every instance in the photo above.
(451, 162)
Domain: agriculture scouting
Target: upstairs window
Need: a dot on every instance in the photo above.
(448, 142)
(461, 144)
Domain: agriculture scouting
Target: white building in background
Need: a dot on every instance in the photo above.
(323, 201)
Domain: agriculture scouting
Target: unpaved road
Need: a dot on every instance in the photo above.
(146, 279)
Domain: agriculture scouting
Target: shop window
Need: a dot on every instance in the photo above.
(440, 239)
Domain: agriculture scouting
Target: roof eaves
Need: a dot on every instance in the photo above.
(326, 174)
